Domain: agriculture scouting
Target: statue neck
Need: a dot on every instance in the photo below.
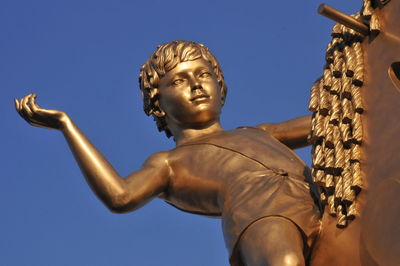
(183, 135)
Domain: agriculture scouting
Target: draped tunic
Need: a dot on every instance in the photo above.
(242, 175)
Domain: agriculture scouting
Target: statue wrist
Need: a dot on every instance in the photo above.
(65, 122)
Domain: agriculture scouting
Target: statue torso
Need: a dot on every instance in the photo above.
(206, 169)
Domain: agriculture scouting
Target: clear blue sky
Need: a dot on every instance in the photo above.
(83, 57)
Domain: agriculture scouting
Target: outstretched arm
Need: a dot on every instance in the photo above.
(293, 133)
(118, 194)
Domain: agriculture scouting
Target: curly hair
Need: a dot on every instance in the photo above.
(164, 59)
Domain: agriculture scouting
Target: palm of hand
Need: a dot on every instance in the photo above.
(38, 116)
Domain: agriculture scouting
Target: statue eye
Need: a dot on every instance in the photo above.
(205, 74)
(177, 82)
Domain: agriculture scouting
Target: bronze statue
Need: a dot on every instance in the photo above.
(248, 176)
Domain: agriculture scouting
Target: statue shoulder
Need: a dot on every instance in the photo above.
(159, 159)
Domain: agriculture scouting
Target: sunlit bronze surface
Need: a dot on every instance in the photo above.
(248, 176)
(373, 238)
(342, 18)
(394, 74)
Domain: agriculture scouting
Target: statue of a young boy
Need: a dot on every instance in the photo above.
(247, 176)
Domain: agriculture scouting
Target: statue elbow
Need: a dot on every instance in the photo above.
(126, 202)
(117, 209)
(120, 204)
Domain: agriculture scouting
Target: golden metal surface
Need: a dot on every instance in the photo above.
(372, 238)
(342, 18)
(394, 74)
(337, 128)
(247, 176)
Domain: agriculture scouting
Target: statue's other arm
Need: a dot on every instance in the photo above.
(293, 133)
(118, 194)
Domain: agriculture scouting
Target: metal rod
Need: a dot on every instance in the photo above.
(342, 18)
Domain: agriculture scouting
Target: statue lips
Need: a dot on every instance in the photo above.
(200, 98)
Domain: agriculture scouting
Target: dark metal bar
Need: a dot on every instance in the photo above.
(342, 18)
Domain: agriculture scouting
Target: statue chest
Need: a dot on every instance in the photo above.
(205, 169)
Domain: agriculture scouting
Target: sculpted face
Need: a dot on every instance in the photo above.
(190, 95)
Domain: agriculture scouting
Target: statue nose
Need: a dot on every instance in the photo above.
(196, 86)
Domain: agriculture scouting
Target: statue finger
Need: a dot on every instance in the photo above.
(18, 107)
(37, 107)
(25, 108)
(32, 104)
(36, 110)
(31, 120)
(16, 102)
(22, 112)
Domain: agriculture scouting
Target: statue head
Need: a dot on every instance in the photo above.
(165, 58)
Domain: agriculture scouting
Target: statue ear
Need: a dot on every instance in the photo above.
(157, 111)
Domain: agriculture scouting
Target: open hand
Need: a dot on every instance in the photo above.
(37, 116)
